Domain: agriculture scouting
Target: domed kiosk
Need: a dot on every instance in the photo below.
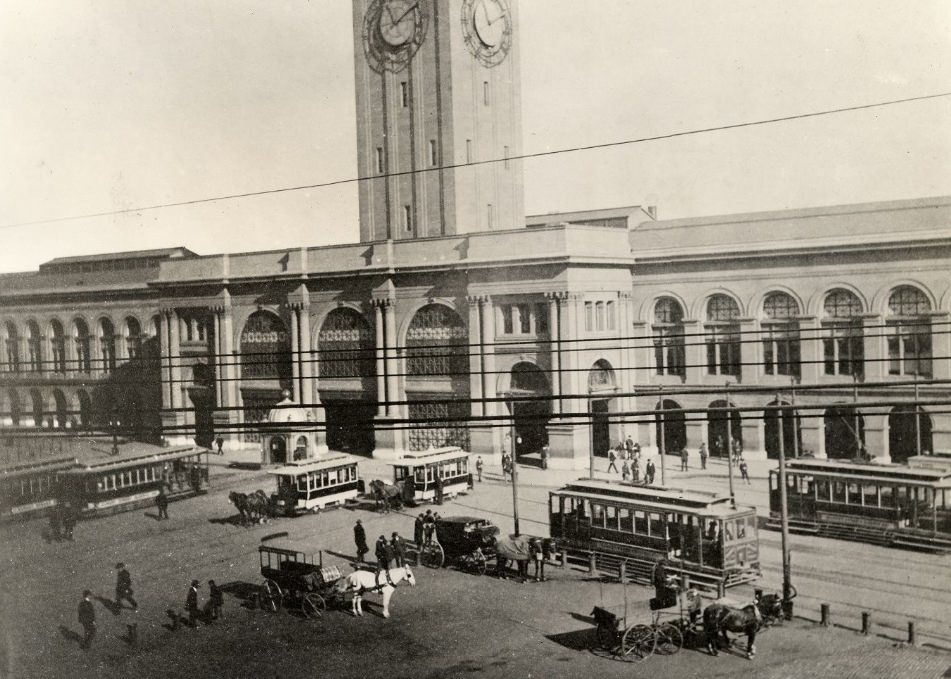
(289, 433)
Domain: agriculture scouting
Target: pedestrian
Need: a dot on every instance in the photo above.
(382, 552)
(161, 501)
(219, 444)
(399, 549)
(737, 450)
(625, 470)
(360, 539)
(535, 552)
(215, 601)
(87, 618)
(544, 456)
(629, 446)
(718, 446)
(124, 588)
(548, 546)
(612, 458)
(191, 603)
(69, 520)
(637, 450)
(744, 471)
(55, 523)
(438, 485)
(479, 468)
(635, 471)
(683, 459)
(418, 530)
(649, 471)
(703, 456)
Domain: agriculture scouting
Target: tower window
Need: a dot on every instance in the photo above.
(379, 159)
(468, 150)
(485, 92)
(408, 217)
(404, 94)
(433, 160)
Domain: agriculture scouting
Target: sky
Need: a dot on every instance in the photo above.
(112, 105)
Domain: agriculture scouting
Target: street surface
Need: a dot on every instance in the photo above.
(452, 624)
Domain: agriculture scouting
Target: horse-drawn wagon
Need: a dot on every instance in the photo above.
(296, 578)
(466, 541)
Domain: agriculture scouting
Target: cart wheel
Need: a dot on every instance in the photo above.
(270, 597)
(669, 639)
(607, 637)
(637, 643)
(433, 556)
(313, 605)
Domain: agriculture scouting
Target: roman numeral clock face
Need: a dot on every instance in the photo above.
(392, 32)
(487, 30)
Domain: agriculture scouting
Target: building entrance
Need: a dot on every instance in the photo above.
(600, 427)
(350, 426)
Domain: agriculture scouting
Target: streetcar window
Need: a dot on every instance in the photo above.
(855, 494)
(838, 491)
(822, 489)
(611, 517)
(656, 525)
(625, 520)
(597, 516)
(870, 495)
(740, 529)
(888, 496)
(640, 522)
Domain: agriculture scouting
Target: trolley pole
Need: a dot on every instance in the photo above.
(784, 515)
(662, 447)
(729, 442)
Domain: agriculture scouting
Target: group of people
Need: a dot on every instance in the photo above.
(629, 452)
(125, 594)
(386, 552)
(63, 518)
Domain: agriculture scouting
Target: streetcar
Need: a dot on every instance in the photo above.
(706, 535)
(30, 488)
(903, 505)
(418, 469)
(311, 485)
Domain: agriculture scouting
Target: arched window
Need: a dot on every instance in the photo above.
(34, 345)
(909, 332)
(436, 343)
(11, 348)
(781, 350)
(58, 347)
(843, 342)
(668, 330)
(723, 336)
(107, 339)
(81, 340)
(133, 337)
(346, 346)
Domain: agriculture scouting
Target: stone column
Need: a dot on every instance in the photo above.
(876, 354)
(310, 392)
(554, 348)
(230, 357)
(810, 349)
(876, 435)
(941, 345)
(295, 354)
(175, 353)
(165, 346)
(569, 330)
(380, 354)
(751, 351)
(219, 358)
(476, 348)
(695, 352)
(392, 360)
(490, 378)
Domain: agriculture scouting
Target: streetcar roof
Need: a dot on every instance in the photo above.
(95, 455)
(872, 472)
(53, 464)
(331, 461)
(652, 497)
(418, 458)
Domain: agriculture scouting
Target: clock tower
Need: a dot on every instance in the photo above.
(438, 101)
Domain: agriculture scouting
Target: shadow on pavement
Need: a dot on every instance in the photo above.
(579, 640)
(71, 635)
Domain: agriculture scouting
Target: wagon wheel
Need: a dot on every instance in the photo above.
(669, 639)
(637, 643)
(433, 555)
(313, 605)
(607, 637)
(481, 567)
(270, 597)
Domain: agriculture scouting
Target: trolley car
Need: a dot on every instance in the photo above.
(27, 489)
(890, 504)
(712, 540)
(418, 470)
(311, 485)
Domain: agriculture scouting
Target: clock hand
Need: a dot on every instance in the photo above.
(404, 14)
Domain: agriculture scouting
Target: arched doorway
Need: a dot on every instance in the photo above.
(347, 370)
(437, 380)
(278, 450)
(903, 438)
(62, 411)
(844, 432)
(675, 426)
(792, 432)
(531, 394)
(601, 388)
(37, 398)
(265, 368)
(719, 433)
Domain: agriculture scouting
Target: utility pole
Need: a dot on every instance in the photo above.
(514, 468)
(795, 418)
(917, 417)
(662, 447)
(784, 516)
(729, 442)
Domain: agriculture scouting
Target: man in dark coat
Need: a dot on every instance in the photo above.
(191, 603)
(399, 549)
(69, 520)
(124, 587)
(161, 501)
(418, 530)
(219, 444)
(438, 484)
(649, 471)
(87, 618)
(383, 553)
(360, 538)
(215, 601)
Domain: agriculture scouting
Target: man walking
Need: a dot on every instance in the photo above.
(124, 588)
(703, 456)
(418, 530)
(87, 618)
(683, 459)
(438, 483)
(399, 549)
(161, 501)
(635, 471)
(744, 471)
(629, 446)
(215, 601)
(649, 472)
(219, 444)
(360, 539)
(625, 470)
(191, 604)
(612, 458)
(479, 468)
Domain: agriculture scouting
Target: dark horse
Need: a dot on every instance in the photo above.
(387, 497)
(718, 619)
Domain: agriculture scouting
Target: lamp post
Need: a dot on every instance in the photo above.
(662, 439)
(114, 424)
(516, 439)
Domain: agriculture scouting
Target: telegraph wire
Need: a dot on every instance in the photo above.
(524, 156)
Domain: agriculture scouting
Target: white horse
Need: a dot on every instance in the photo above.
(360, 582)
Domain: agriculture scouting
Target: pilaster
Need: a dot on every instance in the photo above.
(875, 342)
(694, 352)
(476, 347)
(751, 351)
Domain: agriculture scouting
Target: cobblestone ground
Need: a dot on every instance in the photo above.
(451, 624)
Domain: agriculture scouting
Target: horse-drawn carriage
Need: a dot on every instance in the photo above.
(296, 578)
(466, 541)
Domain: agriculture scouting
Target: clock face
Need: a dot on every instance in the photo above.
(392, 32)
(487, 29)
